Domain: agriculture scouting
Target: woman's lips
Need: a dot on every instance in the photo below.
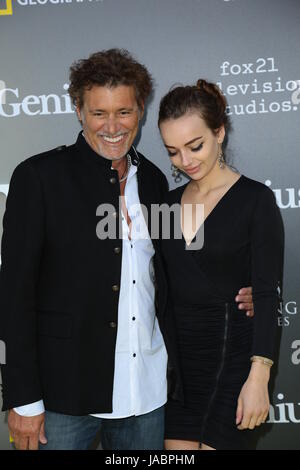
(192, 170)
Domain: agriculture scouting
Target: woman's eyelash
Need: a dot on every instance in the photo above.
(197, 148)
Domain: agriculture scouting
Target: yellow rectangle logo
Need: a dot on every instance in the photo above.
(8, 9)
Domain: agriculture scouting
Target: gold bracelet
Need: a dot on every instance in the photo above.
(263, 360)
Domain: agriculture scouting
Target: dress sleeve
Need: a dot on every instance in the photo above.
(267, 245)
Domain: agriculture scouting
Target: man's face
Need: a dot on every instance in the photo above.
(110, 119)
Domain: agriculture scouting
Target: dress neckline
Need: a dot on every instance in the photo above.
(214, 209)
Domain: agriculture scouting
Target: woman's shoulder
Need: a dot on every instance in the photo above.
(254, 184)
(258, 192)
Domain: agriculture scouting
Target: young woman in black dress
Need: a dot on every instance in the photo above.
(224, 358)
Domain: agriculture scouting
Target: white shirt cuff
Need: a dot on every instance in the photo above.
(33, 409)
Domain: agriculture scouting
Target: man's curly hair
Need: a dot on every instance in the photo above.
(111, 68)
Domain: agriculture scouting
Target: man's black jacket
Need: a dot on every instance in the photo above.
(59, 283)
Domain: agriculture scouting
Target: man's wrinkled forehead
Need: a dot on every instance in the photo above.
(116, 96)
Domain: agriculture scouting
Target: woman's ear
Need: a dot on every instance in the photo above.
(221, 134)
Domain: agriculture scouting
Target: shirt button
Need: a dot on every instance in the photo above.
(117, 250)
(133, 282)
(115, 288)
(113, 180)
(133, 318)
(134, 355)
(112, 324)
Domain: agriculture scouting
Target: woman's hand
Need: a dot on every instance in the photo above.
(253, 402)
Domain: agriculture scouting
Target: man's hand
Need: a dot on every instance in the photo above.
(245, 301)
(27, 432)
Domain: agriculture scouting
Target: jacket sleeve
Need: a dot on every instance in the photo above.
(21, 251)
(267, 245)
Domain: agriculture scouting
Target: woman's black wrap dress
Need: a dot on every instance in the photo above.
(243, 246)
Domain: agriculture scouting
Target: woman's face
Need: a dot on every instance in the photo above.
(192, 147)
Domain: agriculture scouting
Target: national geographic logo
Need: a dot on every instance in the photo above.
(29, 3)
(6, 5)
(7, 9)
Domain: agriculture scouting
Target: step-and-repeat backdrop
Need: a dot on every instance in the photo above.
(249, 47)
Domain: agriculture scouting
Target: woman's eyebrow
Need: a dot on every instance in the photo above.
(188, 143)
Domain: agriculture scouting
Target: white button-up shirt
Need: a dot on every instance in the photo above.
(140, 382)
